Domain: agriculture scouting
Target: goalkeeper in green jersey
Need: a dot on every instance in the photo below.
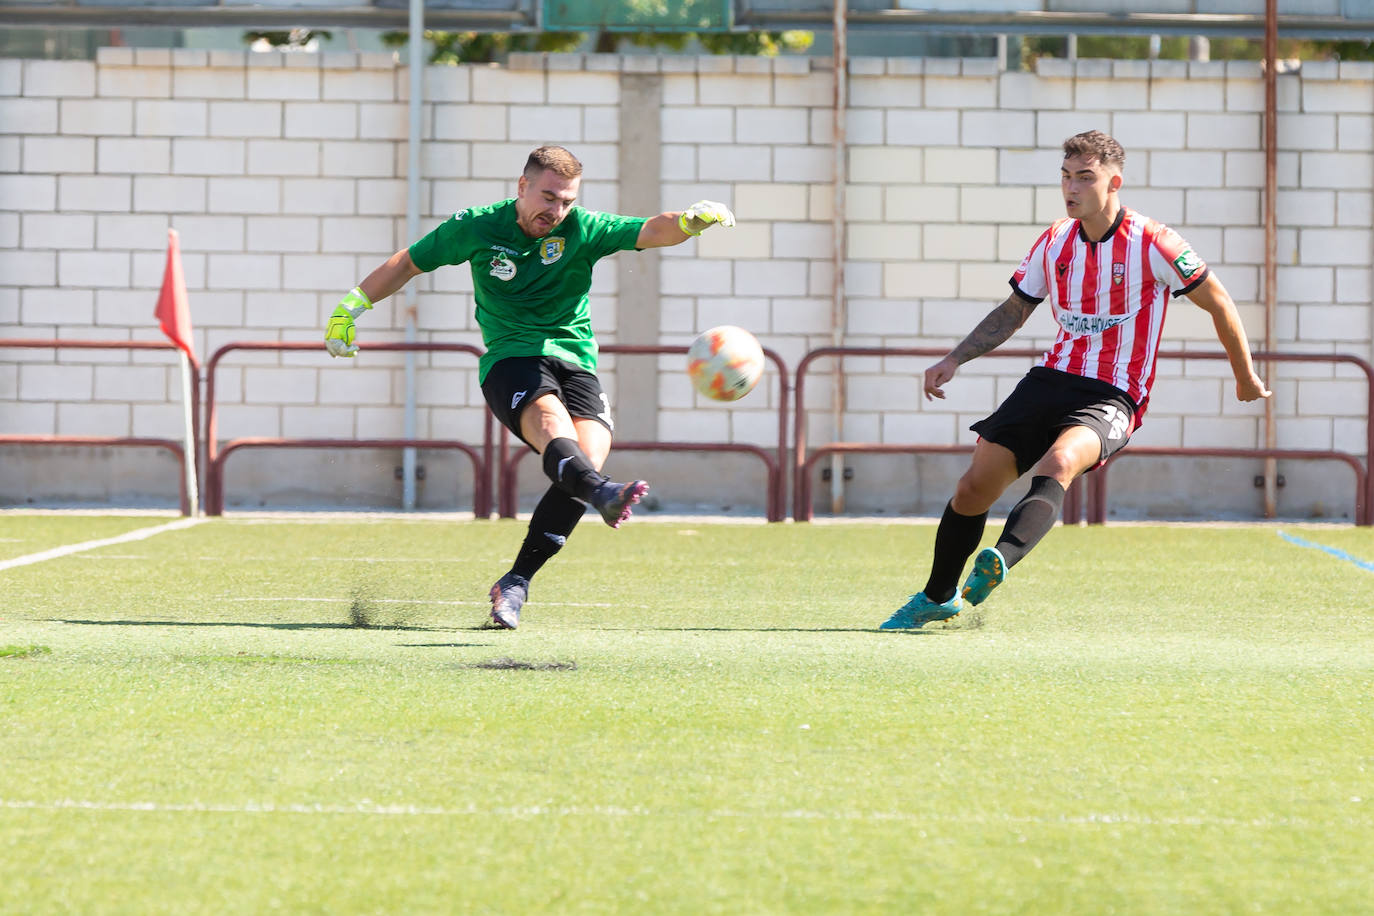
(531, 259)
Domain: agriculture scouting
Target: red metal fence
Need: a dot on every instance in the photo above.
(172, 445)
(1091, 496)
(1364, 481)
(776, 495)
(1096, 483)
(217, 454)
(802, 465)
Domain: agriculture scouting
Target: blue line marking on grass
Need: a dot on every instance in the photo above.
(1334, 551)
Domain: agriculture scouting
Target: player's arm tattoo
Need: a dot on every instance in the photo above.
(994, 330)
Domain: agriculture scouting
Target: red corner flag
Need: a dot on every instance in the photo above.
(173, 312)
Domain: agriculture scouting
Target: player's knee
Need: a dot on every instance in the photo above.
(1065, 464)
(595, 441)
(974, 495)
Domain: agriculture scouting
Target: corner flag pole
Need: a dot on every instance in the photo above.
(189, 438)
(173, 313)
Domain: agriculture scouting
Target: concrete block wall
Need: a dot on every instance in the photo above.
(285, 176)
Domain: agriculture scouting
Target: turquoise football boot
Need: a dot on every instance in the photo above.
(989, 571)
(920, 611)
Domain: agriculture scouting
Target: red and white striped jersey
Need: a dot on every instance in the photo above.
(1109, 296)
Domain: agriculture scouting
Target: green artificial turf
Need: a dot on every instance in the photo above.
(307, 716)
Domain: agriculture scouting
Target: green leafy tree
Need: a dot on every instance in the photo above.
(1345, 50)
(486, 47)
(756, 44)
(1137, 47)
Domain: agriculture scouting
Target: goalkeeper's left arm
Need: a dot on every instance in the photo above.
(674, 228)
(394, 273)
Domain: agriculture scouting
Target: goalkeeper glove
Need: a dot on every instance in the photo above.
(704, 214)
(339, 332)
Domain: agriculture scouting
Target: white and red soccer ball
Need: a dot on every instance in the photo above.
(725, 363)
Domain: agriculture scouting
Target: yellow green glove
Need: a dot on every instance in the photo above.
(339, 332)
(704, 214)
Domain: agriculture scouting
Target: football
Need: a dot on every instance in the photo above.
(725, 363)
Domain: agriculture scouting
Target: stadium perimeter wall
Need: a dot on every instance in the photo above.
(285, 176)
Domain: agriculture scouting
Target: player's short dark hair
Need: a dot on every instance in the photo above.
(552, 159)
(1094, 144)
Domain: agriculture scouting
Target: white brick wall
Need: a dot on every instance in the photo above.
(285, 176)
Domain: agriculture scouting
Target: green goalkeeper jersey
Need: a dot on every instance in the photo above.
(531, 293)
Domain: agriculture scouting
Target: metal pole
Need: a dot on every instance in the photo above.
(1271, 242)
(188, 395)
(416, 48)
(838, 310)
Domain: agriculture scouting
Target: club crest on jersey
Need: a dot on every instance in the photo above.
(502, 267)
(550, 250)
(1118, 273)
(1187, 263)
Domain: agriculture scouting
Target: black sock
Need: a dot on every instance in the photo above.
(554, 518)
(570, 469)
(955, 540)
(1031, 519)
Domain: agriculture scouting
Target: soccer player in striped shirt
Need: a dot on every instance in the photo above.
(1109, 273)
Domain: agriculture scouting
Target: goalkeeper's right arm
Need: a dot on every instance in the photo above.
(394, 273)
(340, 332)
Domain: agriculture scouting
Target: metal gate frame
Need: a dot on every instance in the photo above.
(776, 509)
(217, 454)
(172, 445)
(1096, 483)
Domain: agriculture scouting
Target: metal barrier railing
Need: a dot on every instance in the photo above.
(172, 445)
(485, 463)
(1096, 483)
(1364, 481)
(1073, 497)
(216, 454)
(802, 465)
(776, 508)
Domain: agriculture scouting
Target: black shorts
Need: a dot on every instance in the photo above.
(1045, 403)
(517, 381)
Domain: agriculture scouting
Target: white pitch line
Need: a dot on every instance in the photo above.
(374, 809)
(136, 535)
(239, 558)
(347, 600)
(123, 557)
(427, 601)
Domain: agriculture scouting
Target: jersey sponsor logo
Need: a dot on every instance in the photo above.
(1187, 263)
(1118, 273)
(550, 250)
(516, 399)
(502, 267)
(1079, 323)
